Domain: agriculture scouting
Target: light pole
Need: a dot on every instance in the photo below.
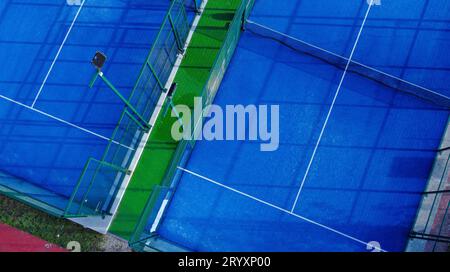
(98, 61)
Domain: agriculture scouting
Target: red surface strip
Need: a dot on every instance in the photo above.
(14, 240)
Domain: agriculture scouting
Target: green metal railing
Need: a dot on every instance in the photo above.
(146, 228)
(100, 179)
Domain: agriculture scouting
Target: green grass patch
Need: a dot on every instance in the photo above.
(52, 229)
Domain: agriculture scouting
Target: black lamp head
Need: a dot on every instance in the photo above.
(99, 60)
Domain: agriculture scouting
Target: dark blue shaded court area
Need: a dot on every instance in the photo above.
(45, 51)
(407, 39)
(365, 181)
(410, 40)
(332, 25)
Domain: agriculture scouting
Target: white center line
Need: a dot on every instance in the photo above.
(331, 107)
(63, 121)
(57, 55)
(279, 208)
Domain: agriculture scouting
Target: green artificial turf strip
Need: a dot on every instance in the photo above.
(191, 78)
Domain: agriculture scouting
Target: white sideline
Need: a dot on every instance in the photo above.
(57, 54)
(159, 215)
(63, 121)
(331, 107)
(368, 244)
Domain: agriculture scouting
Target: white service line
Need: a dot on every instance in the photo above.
(280, 209)
(57, 55)
(331, 107)
(62, 121)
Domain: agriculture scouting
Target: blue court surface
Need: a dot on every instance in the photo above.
(336, 183)
(407, 39)
(51, 121)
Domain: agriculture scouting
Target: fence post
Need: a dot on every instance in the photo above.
(177, 36)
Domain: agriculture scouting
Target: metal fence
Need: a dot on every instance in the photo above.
(145, 237)
(101, 178)
(431, 231)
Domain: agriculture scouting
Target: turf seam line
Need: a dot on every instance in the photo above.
(57, 54)
(316, 147)
(280, 209)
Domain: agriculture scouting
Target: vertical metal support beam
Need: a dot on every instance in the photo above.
(75, 191)
(156, 76)
(196, 6)
(177, 36)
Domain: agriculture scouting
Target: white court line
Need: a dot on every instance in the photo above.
(62, 121)
(280, 209)
(57, 54)
(352, 61)
(331, 107)
(159, 215)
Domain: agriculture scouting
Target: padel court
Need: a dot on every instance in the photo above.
(363, 95)
(59, 135)
(363, 99)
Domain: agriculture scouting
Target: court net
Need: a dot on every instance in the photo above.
(354, 67)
